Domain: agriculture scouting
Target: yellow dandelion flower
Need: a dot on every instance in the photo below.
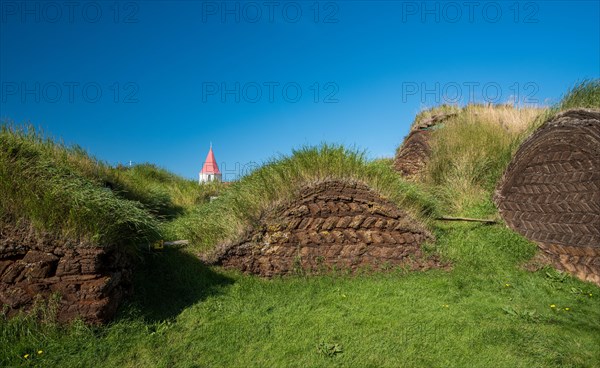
(590, 294)
(40, 352)
(567, 309)
(552, 306)
(26, 356)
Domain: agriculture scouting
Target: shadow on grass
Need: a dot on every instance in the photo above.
(167, 282)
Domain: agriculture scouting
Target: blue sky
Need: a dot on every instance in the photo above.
(157, 81)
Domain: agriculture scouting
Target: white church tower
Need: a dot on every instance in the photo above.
(210, 170)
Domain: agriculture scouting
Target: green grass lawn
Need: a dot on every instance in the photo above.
(485, 312)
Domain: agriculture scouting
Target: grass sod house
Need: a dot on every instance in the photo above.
(67, 239)
(414, 152)
(550, 192)
(323, 206)
(331, 224)
(553, 202)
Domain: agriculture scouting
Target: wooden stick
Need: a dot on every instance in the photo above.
(447, 218)
(177, 242)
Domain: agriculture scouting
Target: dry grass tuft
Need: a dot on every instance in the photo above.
(469, 154)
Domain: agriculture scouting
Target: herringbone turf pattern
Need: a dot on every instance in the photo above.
(332, 224)
(550, 192)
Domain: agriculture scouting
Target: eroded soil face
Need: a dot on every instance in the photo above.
(90, 281)
(332, 225)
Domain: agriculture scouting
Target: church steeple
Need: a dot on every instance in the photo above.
(210, 170)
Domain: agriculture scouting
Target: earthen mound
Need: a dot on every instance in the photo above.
(330, 225)
(550, 192)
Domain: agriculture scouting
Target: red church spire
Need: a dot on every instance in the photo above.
(210, 164)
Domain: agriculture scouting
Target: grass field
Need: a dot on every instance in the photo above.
(488, 310)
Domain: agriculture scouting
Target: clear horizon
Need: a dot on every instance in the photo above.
(155, 81)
